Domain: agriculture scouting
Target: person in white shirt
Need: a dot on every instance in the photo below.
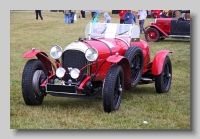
(142, 15)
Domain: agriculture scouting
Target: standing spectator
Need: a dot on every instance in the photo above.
(107, 17)
(142, 15)
(177, 13)
(38, 12)
(82, 14)
(67, 16)
(72, 13)
(121, 15)
(129, 18)
(187, 16)
(165, 13)
(148, 13)
(156, 13)
(92, 14)
(152, 15)
(170, 13)
(95, 18)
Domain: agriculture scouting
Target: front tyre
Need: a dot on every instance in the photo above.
(113, 88)
(163, 81)
(33, 75)
(152, 35)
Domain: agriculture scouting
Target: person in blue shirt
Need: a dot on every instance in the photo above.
(129, 18)
(107, 17)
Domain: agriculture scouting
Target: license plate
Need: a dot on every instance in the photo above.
(61, 88)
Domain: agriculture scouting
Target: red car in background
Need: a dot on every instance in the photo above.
(110, 59)
(162, 28)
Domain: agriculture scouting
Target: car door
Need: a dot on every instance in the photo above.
(183, 27)
(180, 27)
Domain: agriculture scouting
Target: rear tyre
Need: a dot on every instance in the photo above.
(113, 88)
(135, 57)
(163, 81)
(152, 35)
(33, 75)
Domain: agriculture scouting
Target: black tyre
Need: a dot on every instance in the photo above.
(163, 81)
(33, 75)
(135, 57)
(162, 36)
(113, 88)
(152, 35)
(162, 39)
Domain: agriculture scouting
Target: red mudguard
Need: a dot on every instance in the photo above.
(158, 61)
(31, 53)
(41, 56)
(123, 62)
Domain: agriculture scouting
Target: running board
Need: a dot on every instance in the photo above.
(179, 36)
(145, 81)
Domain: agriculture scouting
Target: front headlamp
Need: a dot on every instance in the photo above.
(60, 72)
(56, 52)
(91, 54)
(74, 72)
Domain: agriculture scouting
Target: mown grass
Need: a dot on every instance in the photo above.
(162, 111)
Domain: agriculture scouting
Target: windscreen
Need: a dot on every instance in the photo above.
(111, 30)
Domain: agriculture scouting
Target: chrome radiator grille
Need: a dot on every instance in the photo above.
(74, 59)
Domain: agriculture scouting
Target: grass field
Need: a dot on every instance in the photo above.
(161, 111)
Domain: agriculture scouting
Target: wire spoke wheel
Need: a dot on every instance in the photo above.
(135, 57)
(163, 81)
(135, 67)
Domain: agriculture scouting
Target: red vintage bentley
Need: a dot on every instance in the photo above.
(110, 58)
